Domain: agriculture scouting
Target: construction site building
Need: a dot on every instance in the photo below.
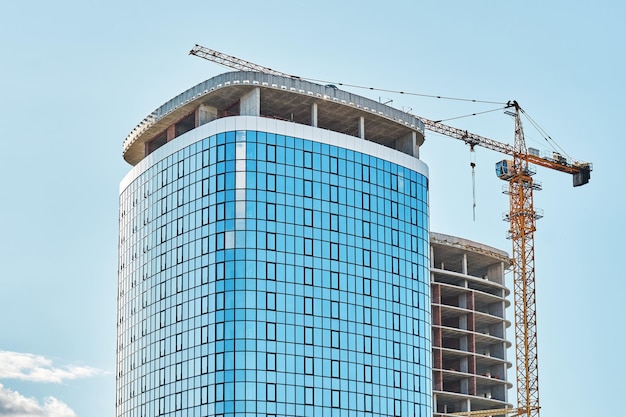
(469, 300)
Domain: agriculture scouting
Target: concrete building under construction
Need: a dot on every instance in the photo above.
(469, 299)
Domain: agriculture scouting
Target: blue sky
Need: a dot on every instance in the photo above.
(76, 77)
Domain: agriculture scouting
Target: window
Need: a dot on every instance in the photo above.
(271, 182)
(365, 171)
(219, 392)
(334, 251)
(367, 315)
(271, 211)
(366, 230)
(367, 373)
(308, 188)
(161, 406)
(416, 299)
(334, 309)
(395, 265)
(367, 286)
(179, 255)
(221, 153)
(271, 241)
(271, 301)
(219, 241)
(334, 222)
(179, 371)
(204, 334)
(335, 399)
(179, 342)
(308, 395)
(335, 370)
(219, 361)
(219, 301)
(367, 260)
(271, 392)
(308, 365)
(179, 226)
(366, 201)
(308, 246)
(220, 211)
(219, 271)
(308, 217)
(271, 331)
(334, 280)
(271, 271)
(205, 158)
(367, 400)
(397, 381)
(204, 364)
(333, 165)
(308, 335)
(395, 237)
(397, 408)
(221, 182)
(271, 361)
(334, 339)
(308, 159)
(334, 193)
(396, 350)
(271, 153)
(396, 293)
(396, 321)
(219, 331)
(162, 291)
(308, 305)
(367, 344)
(394, 209)
(308, 276)
(179, 400)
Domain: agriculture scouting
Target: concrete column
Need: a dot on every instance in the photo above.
(362, 127)
(250, 103)
(408, 144)
(314, 115)
(464, 264)
(205, 114)
(171, 132)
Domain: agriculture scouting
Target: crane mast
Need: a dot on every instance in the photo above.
(521, 217)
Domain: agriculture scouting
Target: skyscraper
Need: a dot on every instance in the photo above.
(274, 255)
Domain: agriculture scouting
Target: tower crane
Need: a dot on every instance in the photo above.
(522, 216)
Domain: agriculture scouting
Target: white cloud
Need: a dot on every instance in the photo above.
(36, 368)
(14, 404)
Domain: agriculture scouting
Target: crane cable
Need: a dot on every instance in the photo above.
(408, 93)
(551, 142)
(470, 115)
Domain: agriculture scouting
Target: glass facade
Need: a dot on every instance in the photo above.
(269, 275)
